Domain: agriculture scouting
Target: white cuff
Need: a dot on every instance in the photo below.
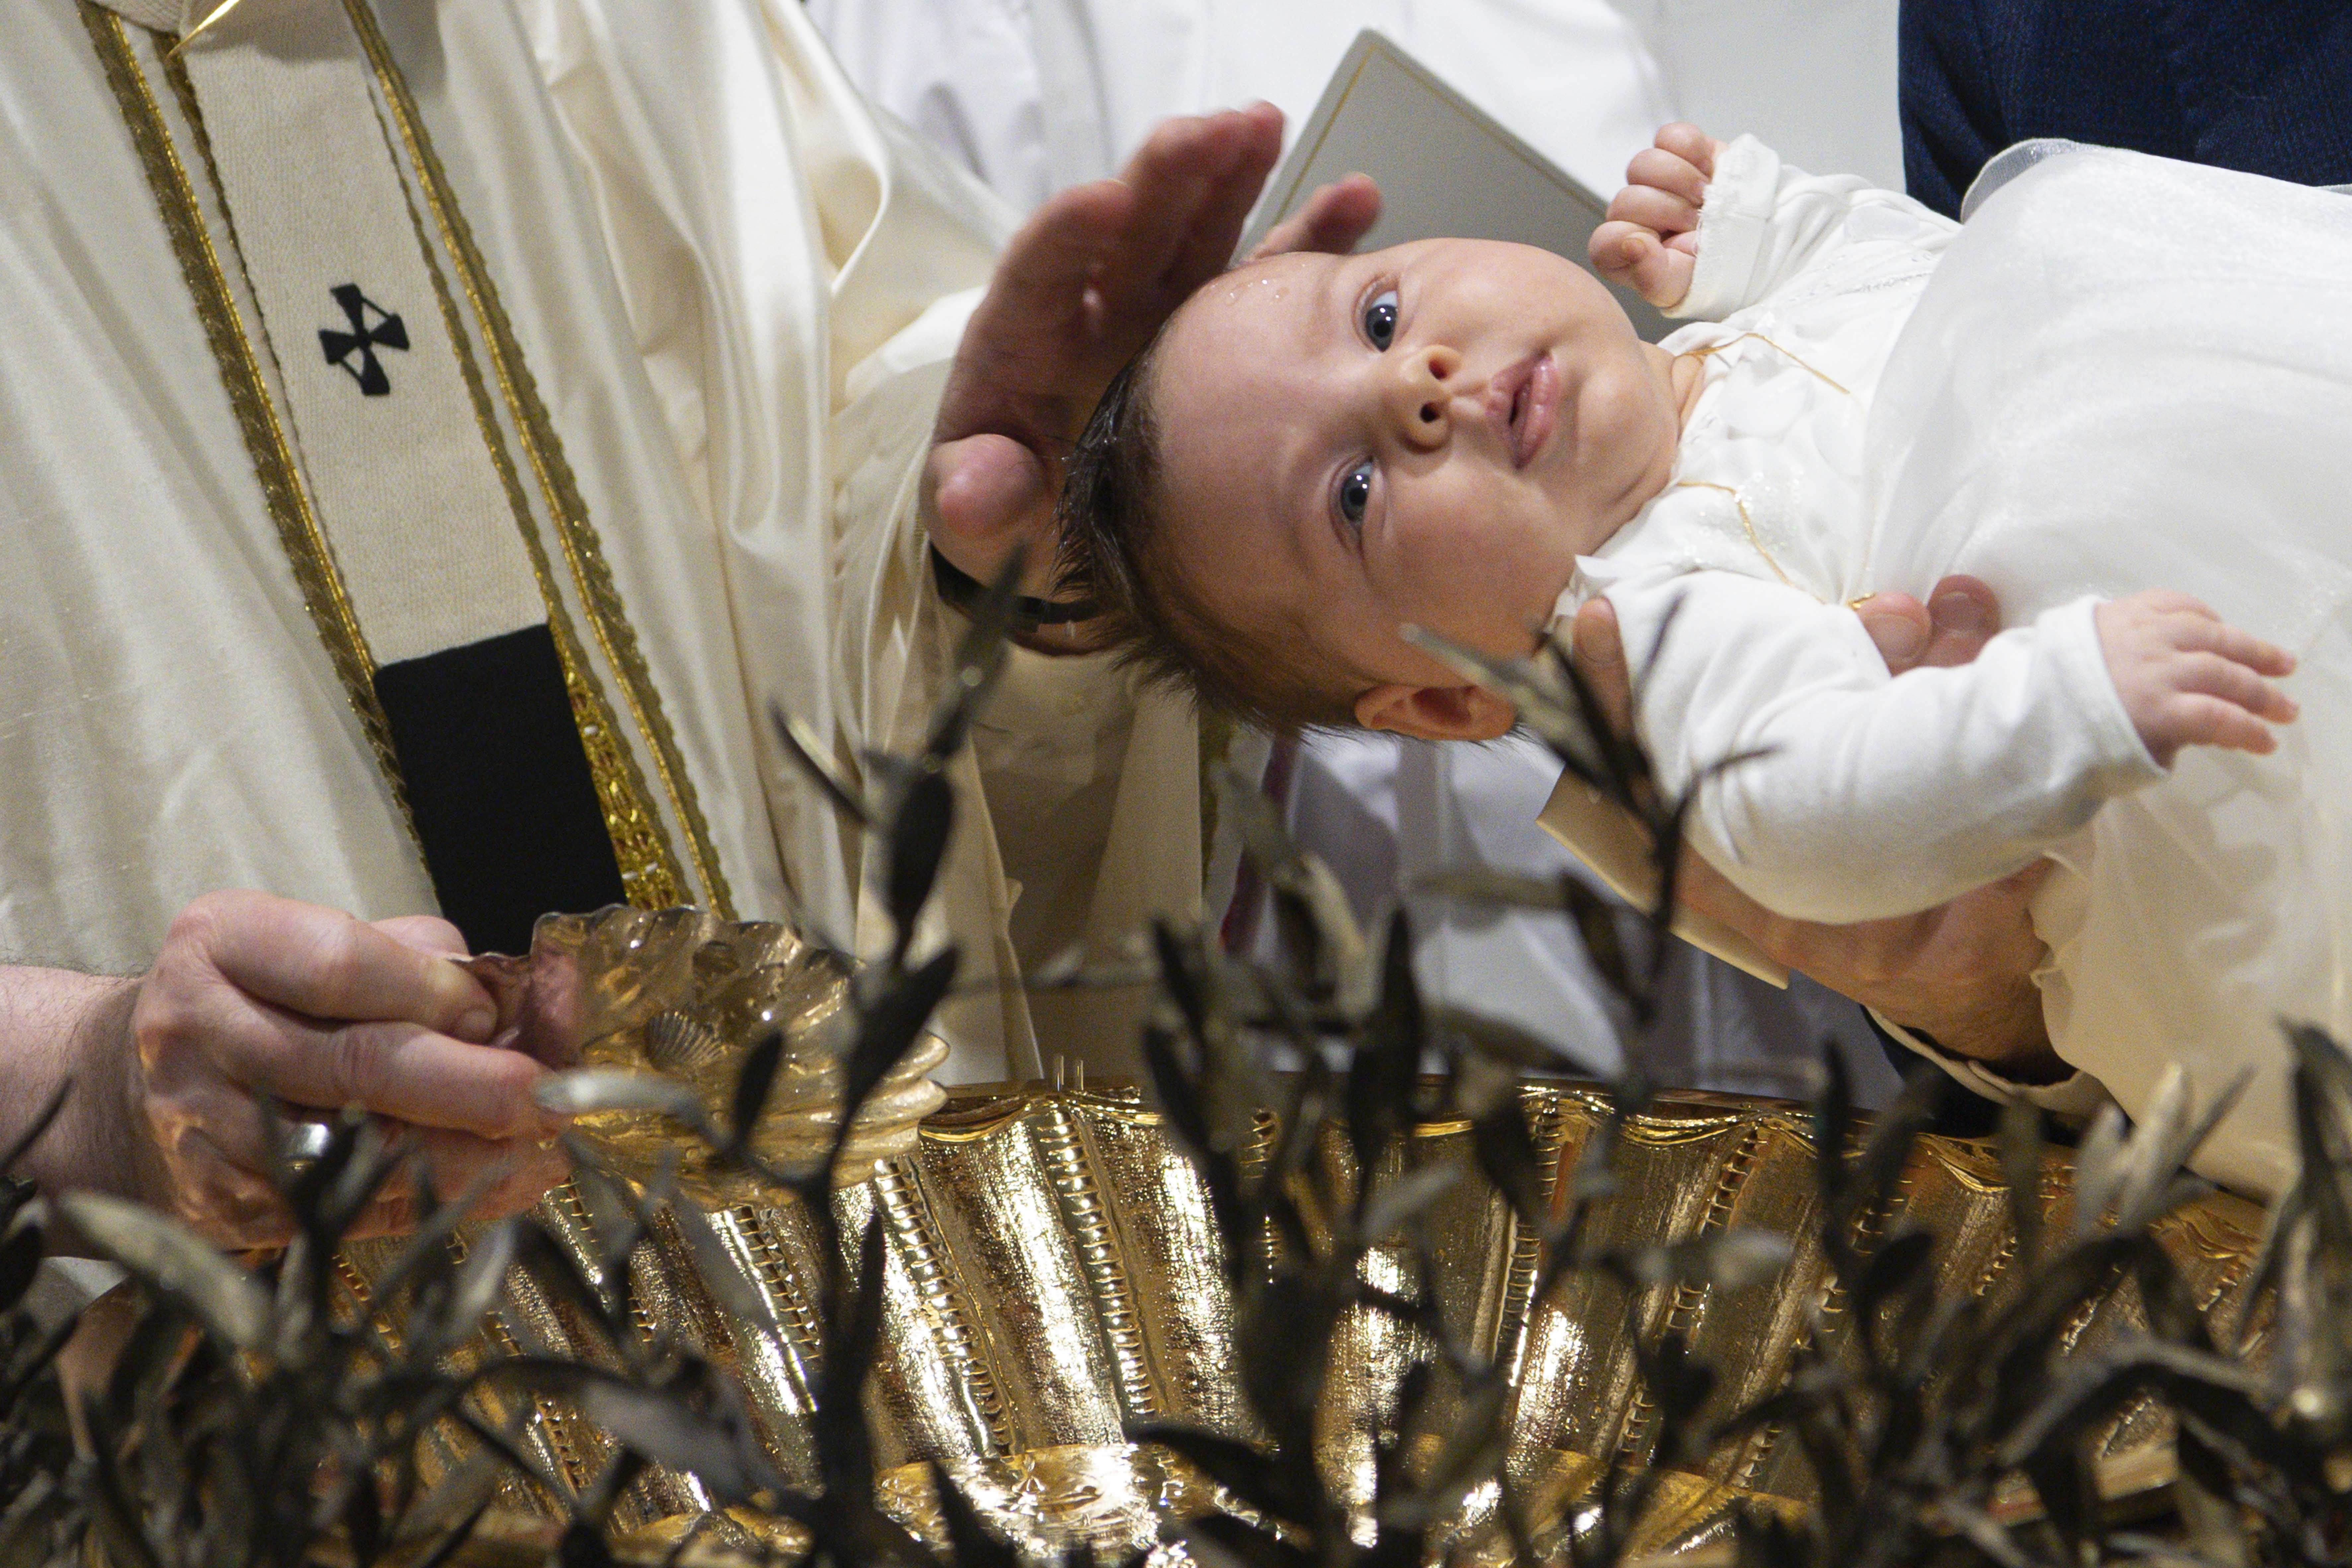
(2076, 1097)
(1733, 224)
(2070, 634)
(63, 1287)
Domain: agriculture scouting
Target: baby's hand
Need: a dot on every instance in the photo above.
(2189, 680)
(1650, 243)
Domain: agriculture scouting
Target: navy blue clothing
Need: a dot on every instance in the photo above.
(2265, 86)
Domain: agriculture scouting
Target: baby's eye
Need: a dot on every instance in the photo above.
(1356, 491)
(1380, 319)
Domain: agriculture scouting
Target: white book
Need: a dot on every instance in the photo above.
(1444, 167)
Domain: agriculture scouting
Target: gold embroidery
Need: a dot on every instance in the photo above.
(202, 26)
(1746, 521)
(619, 785)
(1713, 349)
(649, 871)
(250, 403)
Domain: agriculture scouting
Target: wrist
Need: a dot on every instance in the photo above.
(100, 1142)
(121, 1137)
(106, 1144)
(2001, 1027)
(61, 1029)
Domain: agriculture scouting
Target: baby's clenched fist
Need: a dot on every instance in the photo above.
(1650, 243)
(2187, 679)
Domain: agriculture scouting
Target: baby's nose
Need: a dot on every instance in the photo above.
(1422, 394)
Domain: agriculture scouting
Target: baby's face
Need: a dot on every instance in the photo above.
(1428, 435)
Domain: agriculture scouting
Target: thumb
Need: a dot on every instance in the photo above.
(1897, 625)
(1614, 248)
(427, 933)
(986, 497)
(1633, 257)
(1599, 648)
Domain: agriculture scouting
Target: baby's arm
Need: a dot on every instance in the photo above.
(1706, 228)
(1874, 798)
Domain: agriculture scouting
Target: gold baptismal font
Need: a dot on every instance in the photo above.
(1052, 1274)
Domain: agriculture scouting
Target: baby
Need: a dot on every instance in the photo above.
(1469, 437)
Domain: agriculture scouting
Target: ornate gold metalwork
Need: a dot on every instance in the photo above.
(1053, 1270)
(683, 994)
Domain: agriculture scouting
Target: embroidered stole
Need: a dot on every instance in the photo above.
(434, 529)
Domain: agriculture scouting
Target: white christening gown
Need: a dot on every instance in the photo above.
(2123, 373)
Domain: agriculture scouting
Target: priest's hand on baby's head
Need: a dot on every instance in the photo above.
(2188, 680)
(1078, 292)
(1650, 243)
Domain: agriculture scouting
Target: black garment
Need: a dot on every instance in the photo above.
(2265, 86)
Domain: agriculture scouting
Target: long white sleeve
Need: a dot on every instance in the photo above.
(1765, 224)
(1873, 796)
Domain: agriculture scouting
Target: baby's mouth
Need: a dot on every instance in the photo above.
(1526, 398)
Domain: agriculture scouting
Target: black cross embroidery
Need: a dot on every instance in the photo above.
(387, 332)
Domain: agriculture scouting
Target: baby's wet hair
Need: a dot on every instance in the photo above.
(1115, 549)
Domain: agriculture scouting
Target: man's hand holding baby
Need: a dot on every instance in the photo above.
(2187, 680)
(1962, 973)
(1650, 243)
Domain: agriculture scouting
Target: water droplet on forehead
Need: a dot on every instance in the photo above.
(1234, 293)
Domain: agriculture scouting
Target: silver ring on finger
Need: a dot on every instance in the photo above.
(306, 1144)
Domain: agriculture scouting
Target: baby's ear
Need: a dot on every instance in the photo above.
(1436, 713)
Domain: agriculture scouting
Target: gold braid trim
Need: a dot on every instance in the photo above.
(1746, 521)
(649, 869)
(251, 402)
(637, 828)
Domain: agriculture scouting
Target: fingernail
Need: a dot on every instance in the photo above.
(475, 1024)
(1960, 612)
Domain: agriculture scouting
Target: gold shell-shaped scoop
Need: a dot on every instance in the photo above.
(684, 994)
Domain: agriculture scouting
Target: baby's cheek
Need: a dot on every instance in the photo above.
(1472, 580)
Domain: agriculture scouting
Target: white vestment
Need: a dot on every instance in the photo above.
(734, 288)
(2124, 374)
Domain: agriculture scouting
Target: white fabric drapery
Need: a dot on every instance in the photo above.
(698, 233)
